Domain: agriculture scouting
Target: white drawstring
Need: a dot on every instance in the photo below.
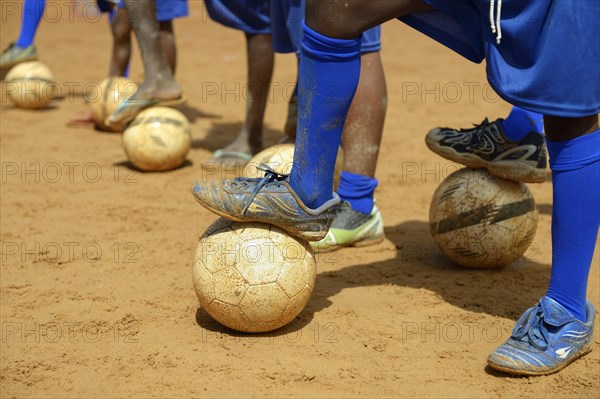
(498, 13)
(495, 24)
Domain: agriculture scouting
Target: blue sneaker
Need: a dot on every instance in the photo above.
(546, 339)
(267, 200)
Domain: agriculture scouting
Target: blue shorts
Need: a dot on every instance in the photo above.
(106, 6)
(548, 60)
(250, 16)
(166, 10)
(286, 26)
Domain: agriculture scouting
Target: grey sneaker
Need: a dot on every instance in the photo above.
(486, 146)
(268, 200)
(351, 228)
(14, 55)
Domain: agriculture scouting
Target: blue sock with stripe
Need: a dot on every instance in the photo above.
(520, 122)
(328, 76)
(575, 168)
(33, 10)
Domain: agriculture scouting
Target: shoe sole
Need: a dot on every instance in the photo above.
(356, 244)
(250, 220)
(538, 373)
(505, 169)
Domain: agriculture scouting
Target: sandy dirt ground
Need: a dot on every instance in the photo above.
(96, 292)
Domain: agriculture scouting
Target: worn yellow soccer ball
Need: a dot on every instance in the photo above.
(31, 85)
(106, 97)
(158, 139)
(252, 277)
(481, 221)
(280, 158)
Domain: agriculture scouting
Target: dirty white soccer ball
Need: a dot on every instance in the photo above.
(30, 85)
(280, 158)
(252, 277)
(482, 221)
(106, 98)
(158, 139)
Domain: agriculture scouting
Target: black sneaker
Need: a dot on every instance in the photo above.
(486, 146)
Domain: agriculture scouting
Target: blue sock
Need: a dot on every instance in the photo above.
(329, 73)
(575, 168)
(32, 15)
(358, 190)
(520, 122)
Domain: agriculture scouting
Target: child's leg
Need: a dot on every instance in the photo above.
(121, 52)
(330, 63)
(303, 204)
(329, 74)
(260, 69)
(33, 10)
(560, 328)
(348, 19)
(167, 42)
(159, 82)
(574, 148)
(360, 223)
(159, 86)
(362, 135)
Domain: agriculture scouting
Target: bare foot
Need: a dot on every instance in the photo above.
(244, 143)
(166, 94)
(167, 90)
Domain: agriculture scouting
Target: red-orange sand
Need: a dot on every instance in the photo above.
(96, 292)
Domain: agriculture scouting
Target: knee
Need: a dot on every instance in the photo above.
(561, 128)
(122, 35)
(333, 19)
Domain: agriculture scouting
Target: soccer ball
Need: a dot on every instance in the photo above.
(111, 92)
(252, 277)
(280, 158)
(158, 139)
(482, 221)
(31, 85)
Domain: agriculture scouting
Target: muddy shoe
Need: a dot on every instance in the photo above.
(486, 146)
(268, 200)
(351, 228)
(546, 339)
(14, 55)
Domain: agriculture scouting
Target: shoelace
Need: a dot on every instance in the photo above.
(533, 328)
(271, 177)
(485, 123)
(471, 137)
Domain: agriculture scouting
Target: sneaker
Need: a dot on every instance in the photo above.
(486, 146)
(14, 55)
(351, 228)
(545, 340)
(267, 200)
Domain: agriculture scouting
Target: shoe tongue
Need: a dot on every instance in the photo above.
(555, 314)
